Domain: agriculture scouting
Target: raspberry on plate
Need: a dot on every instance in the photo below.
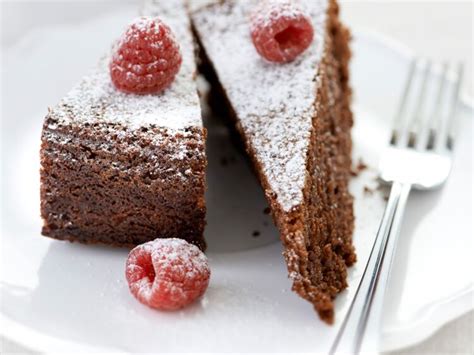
(146, 58)
(167, 274)
(280, 30)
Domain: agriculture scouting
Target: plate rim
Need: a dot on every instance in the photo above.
(436, 315)
(432, 318)
(405, 51)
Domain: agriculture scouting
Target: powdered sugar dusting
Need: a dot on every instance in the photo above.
(173, 252)
(95, 99)
(276, 8)
(274, 102)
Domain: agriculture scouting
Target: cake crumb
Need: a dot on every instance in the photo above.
(267, 210)
(361, 166)
(368, 190)
(255, 234)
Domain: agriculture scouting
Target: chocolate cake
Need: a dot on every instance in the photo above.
(124, 169)
(295, 123)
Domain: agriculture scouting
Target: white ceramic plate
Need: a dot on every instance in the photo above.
(58, 296)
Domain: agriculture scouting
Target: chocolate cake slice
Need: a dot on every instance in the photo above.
(295, 123)
(124, 169)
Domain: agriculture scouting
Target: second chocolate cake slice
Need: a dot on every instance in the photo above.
(294, 121)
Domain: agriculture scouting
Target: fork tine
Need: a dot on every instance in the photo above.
(417, 116)
(446, 115)
(398, 121)
(451, 129)
(426, 136)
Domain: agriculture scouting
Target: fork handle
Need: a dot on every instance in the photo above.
(360, 331)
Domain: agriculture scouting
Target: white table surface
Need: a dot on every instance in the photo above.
(436, 29)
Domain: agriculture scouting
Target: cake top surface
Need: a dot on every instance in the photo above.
(95, 99)
(274, 103)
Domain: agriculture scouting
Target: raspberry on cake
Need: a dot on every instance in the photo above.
(124, 169)
(295, 123)
(147, 57)
(167, 274)
(280, 30)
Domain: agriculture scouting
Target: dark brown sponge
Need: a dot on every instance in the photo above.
(104, 183)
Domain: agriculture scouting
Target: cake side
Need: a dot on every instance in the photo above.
(123, 169)
(318, 237)
(317, 229)
(104, 184)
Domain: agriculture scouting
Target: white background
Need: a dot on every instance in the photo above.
(442, 30)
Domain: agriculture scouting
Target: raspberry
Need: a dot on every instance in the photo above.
(146, 58)
(280, 30)
(167, 274)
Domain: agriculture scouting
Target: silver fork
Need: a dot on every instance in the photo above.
(419, 157)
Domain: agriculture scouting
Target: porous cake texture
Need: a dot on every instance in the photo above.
(294, 121)
(124, 169)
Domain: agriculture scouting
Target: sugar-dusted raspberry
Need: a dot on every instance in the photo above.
(280, 30)
(167, 274)
(146, 58)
